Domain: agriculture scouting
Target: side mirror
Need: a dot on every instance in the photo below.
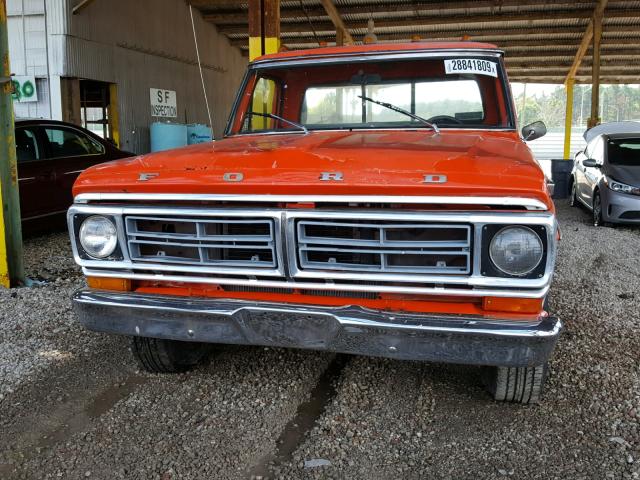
(534, 130)
(590, 162)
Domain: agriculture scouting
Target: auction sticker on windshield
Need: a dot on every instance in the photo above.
(470, 65)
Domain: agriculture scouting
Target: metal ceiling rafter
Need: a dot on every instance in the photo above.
(516, 26)
(476, 31)
(441, 20)
(414, 8)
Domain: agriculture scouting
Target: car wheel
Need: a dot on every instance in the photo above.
(598, 220)
(517, 384)
(573, 199)
(158, 355)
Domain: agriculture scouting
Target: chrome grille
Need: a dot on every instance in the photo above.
(219, 241)
(384, 246)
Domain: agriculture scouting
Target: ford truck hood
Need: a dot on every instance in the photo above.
(373, 162)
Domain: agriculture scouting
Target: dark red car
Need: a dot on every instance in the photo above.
(51, 154)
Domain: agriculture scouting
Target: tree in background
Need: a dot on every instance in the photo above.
(617, 103)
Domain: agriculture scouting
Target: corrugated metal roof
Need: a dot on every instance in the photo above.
(523, 28)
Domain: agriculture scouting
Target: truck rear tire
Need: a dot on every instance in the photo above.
(517, 384)
(158, 355)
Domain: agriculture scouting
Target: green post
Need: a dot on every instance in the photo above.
(10, 225)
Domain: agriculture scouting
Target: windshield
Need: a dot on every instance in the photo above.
(624, 151)
(447, 92)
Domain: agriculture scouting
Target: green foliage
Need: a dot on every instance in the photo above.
(447, 107)
(617, 103)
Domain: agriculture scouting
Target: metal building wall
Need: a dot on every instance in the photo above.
(28, 52)
(144, 44)
(135, 44)
(552, 144)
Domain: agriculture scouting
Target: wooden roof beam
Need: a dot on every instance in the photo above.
(608, 71)
(586, 41)
(208, 4)
(337, 21)
(81, 6)
(553, 63)
(625, 80)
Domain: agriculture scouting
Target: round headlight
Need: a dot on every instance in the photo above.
(516, 250)
(98, 236)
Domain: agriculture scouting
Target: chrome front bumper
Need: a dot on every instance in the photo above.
(349, 329)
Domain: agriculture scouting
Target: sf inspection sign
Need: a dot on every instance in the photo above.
(24, 89)
(164, 103)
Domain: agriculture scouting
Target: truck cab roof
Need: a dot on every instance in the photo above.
(378, 48)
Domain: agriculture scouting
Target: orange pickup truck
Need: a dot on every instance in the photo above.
(374, 200)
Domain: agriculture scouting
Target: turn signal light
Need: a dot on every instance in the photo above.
(114, 284)
(515, 305)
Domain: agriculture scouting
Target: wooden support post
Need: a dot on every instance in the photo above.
(568, 118)
(11, 266)
(595, 70)
(264, 38)
(264, 27)
(271, 22)
(255, 29)
(70, 99)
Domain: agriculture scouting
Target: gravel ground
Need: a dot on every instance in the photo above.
(74, 405)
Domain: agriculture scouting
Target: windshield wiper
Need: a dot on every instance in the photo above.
(402, 110)
(276, 117)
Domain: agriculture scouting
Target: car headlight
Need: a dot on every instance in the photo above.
(621, 187)
(98, 236)
(516, 250)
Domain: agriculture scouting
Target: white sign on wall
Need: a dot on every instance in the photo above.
(164, 103)
(24, 89)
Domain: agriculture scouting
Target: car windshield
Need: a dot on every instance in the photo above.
(624, 151)
(447, 92)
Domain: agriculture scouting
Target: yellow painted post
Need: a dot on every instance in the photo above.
(568, 118)
(114, 117)
(264, 38)
(11, 266)
(4, 266)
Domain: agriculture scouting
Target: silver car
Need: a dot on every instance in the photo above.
(606, 178)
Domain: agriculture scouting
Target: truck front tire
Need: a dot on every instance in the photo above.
(156, 355)
(517, 384)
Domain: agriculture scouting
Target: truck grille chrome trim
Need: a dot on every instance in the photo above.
(341, 287)
(225, 241)
(180, 198)
(458, 231)
(384, 247)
